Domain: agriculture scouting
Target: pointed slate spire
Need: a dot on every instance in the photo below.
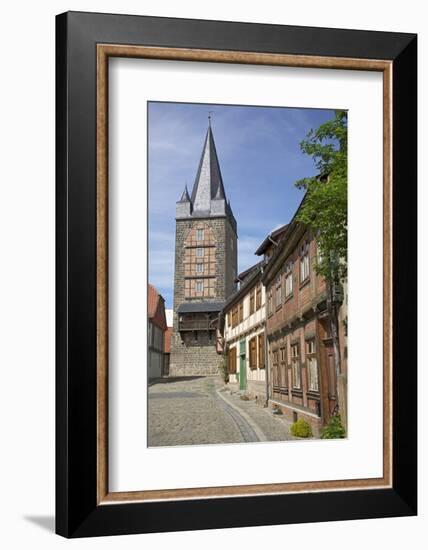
(220, 192)
(185, 197)
(208, 183)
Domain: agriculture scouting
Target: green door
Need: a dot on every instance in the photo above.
(242, 366)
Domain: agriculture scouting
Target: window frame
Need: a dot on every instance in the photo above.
(304, 264)
(197, 284)
(252, 301)
(278, 291)
(258, 296)
(311, 357)
(296, 366)
(288, 277)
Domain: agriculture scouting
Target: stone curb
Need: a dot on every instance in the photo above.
(250, 421)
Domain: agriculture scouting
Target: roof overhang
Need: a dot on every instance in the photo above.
(200, 307)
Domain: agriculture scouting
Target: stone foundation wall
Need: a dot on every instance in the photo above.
(194, 361)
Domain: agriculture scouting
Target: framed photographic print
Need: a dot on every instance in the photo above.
(236, 269)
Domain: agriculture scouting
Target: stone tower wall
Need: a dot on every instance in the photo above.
(190, 357)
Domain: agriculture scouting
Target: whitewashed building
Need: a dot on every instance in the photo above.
(244, 335)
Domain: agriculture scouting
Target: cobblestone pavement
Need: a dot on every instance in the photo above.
(198, 410)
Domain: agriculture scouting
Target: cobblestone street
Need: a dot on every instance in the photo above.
(198, 410)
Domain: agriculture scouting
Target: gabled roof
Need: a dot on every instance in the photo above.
(254, 275)
(273, 236)
(152, 301)
(156, 307)
(284, 242)
(167, 340)
(208, 183)
(244, 274)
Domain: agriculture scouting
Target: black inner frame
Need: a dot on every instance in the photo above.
(77, 513)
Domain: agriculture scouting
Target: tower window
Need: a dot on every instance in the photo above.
(199, 286)
(199, 252)
(199, 268)
(199, 234)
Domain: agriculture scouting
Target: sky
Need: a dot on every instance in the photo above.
(260, 161)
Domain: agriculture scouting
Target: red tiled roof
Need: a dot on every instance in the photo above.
(167, 337)
(152, 301)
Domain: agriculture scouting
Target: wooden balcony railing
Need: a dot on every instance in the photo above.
(196, 324)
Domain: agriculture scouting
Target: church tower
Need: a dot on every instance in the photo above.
(205, 267)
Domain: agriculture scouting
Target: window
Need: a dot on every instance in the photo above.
(283, 368)
(288, 279)
(241, 312)
(295, 350)
(199, 252)
(231, 360)
(258, 297)
(276, 383)
(270, 301)
(312, 364)
(304, 262)
(261, 351)
(199, 234)
(252, 308)
(253, 352)
(199, 268)
(278, 291)
(295, 366)
(234, 316)
(310, 347)
(199, 286)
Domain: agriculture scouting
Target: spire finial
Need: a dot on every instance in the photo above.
(210, 113)
(185, 196)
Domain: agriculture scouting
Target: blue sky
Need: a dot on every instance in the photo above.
(260, 160)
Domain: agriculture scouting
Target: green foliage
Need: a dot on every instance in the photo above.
(334, 429)
(301, 428)
(223, 370)
(325, 208)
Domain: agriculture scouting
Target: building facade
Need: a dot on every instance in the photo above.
(303, 378)
(244, 336)
(205, 267)
(157, 328)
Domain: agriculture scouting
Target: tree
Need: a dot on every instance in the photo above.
(325, 211)
(325, 208)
